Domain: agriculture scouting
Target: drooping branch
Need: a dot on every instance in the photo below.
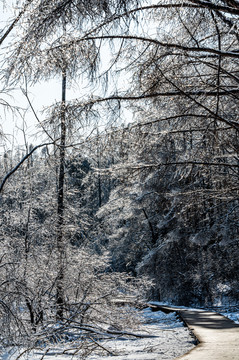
(206, 50)
(211, 6)
(233, 124)
(10, 173)
(25, 92)
(172, 163)
(180, 92)
(15, 21)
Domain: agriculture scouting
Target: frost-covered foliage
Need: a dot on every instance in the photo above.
(52, 36)
(30, 262)
(173, 218)
(177, 200)
(158, 334)
(170, 207)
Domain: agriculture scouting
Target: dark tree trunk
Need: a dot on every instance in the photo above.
(99, 177)
(60, 208)
(154, 236)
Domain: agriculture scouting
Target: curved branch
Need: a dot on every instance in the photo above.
(11, 172)
(15, 21)
(230, 54)
(180, 92)
(177, 163)
(209, 5)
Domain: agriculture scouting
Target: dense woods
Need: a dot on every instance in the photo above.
(132, 186)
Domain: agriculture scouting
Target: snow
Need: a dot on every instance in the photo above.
(167, 339)
(171, 339)
(231, 314)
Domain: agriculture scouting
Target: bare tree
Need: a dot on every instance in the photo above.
(64, 286)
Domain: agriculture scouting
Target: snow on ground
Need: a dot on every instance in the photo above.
(231, 314)
(169, 339)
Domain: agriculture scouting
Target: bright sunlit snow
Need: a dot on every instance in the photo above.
(169, 339)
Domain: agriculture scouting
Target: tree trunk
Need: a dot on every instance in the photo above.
(99, 177)
(60, 208)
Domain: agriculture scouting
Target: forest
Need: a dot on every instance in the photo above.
(128, 183)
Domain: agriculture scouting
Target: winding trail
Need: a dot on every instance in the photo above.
(218, 336)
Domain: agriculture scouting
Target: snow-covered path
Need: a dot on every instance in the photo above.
(218, 336)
